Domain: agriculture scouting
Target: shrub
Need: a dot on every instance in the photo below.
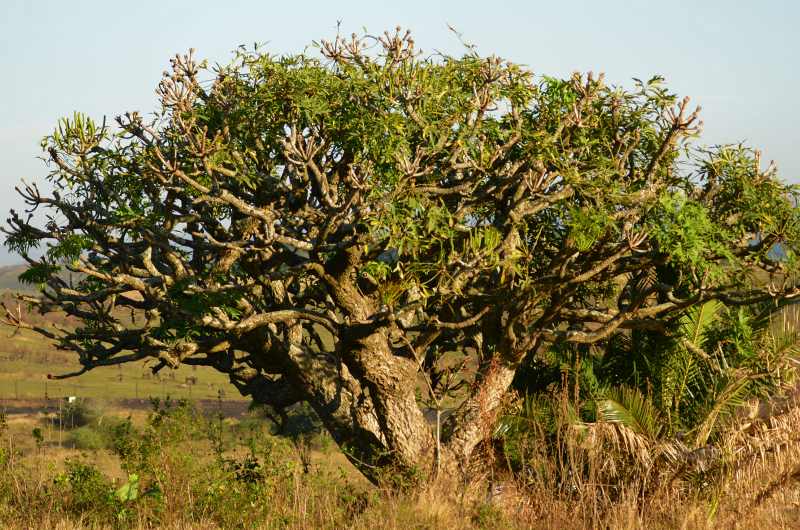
(76, 414)
(88, 438)
(86, 490)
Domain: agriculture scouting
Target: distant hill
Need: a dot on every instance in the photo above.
(9, 281)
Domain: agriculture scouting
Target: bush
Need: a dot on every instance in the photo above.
(101, 432)
(86, 490)
(76, 414)
(89, 438)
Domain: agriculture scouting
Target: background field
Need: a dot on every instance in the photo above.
(26, 359)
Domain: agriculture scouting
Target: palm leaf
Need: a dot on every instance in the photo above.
(643, 281)
(730, 396)
(680, 372)
(696, 321)
(629, 407)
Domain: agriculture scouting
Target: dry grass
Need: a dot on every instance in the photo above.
(304, 505)
(752, 482)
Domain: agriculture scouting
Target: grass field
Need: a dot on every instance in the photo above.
(26, 359)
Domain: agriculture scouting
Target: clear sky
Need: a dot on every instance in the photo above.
(736, 58)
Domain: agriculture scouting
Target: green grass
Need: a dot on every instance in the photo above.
(25, 380)
(26, 359)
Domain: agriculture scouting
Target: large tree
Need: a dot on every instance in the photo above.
(377, 232)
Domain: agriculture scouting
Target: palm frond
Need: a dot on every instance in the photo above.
(696, 321)
(615, 439)
(730, 395)
(783, 347)
(629, 407)
(680, 372)
(643, 281)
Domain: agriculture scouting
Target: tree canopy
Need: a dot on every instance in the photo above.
(376, 231)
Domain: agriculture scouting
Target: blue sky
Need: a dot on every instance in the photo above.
(737, 59)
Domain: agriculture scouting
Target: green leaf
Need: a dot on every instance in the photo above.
(130, 490)
(697, 320)
(38, 273)
(631, 408)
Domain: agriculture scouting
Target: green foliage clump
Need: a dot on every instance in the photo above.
(78, 413)
(88, 439)
(104, 432)
(86, 490)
